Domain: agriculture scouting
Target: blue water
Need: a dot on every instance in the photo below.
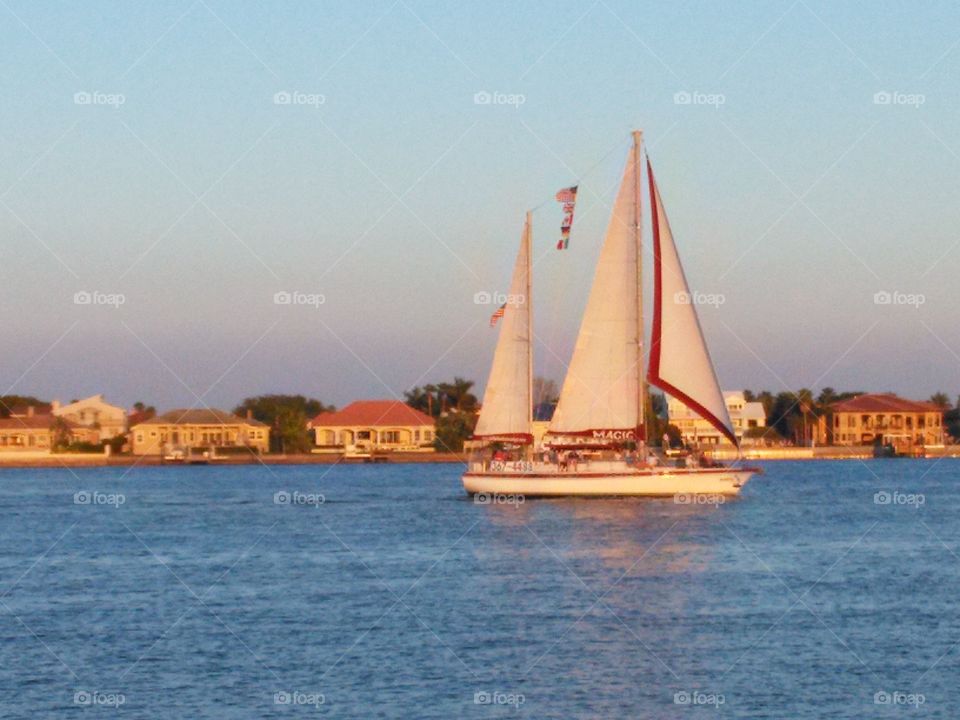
(201, 597)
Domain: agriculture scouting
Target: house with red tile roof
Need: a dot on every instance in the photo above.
(882, 417)
(374, 426)
(34, 431)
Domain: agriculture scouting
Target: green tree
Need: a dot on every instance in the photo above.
(941, 400)
(545, 391)
(9, 402)
(436, 400)
(287, 416)
(453, 429)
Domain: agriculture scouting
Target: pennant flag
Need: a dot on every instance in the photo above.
(497, 314)
(568, 197)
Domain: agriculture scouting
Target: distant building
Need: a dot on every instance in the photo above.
(28, 430)
(882, 417)
(367, 425)
(694, 429)
(94, 412)
(199, 429)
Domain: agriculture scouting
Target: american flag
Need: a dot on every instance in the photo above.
(497, 314)
(567, 196)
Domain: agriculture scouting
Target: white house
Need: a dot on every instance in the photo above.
(694, 429)
(94, 412)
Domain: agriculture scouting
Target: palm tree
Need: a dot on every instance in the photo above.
(941, 400)
(807, 406)
(430, 390)
(462, 398)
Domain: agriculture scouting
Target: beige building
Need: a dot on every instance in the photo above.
(373, 425)
(94, 412)
(187, 429)
(695, 430)
(882, 417)
(28, 430)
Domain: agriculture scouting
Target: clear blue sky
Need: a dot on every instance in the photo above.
(397, 198)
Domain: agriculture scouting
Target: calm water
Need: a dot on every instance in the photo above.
(201, 597)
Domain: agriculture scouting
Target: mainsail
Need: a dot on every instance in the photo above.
(507, 402)
(601, 395)
(679, 360)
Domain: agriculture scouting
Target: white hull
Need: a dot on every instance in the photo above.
(661, 482)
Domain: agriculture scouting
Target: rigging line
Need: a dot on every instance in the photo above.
(578, 180)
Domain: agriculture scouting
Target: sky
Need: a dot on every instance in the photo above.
(171, 172)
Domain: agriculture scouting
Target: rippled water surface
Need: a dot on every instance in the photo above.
(200, 596)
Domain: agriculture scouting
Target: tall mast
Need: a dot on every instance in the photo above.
(528, 302)
(641, 373)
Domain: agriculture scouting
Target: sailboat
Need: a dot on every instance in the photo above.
(596, 441)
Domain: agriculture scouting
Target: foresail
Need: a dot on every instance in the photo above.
(679, 360)
(600, 397)
(507, 403)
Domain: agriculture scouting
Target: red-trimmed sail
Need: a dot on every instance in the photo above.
(679, 360)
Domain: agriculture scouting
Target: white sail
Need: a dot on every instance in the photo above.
(507, 403)
(601, 395)
(679, 360)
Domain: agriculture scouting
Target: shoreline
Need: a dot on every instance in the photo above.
(75, 460)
